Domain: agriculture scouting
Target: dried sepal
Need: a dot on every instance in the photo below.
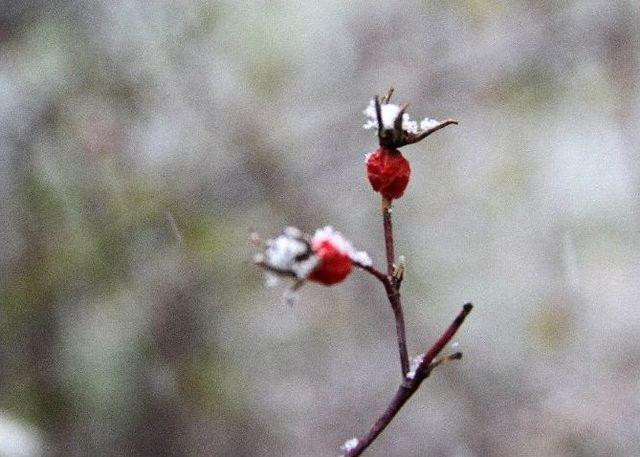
(395, 127)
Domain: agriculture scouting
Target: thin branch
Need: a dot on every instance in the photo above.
(445, 359)
(444, 339)
(410, 385)
(379, 275)
(388, 234)
(393, 295)
(393, 291)
(278, 271)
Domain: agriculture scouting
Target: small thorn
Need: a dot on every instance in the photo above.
(445, 359)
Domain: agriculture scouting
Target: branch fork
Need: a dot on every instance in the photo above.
(402, 132)
(327, 258)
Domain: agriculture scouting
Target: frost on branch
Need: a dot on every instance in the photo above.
(326, 257)
(349, 445)
(415, 364)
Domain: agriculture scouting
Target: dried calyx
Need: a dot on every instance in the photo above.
(387, 169)
(394, 125)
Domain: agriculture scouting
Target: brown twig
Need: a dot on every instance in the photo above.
(411, 383)
(391, 285)
(393, 295)
(388, 234)
(379, 275)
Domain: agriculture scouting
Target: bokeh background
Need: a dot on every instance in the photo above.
(140, 142)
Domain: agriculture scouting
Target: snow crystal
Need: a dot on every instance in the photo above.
(426, 123)
(283, 250)
(362, 258)
(388, 111)
(349, 445)
(292, 232)
(415, 363)
(289, 252)
(270, 280)
(389, 114)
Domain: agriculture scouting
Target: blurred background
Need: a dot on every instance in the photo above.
(140, 142)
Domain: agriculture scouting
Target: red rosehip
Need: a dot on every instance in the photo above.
(388, 172)
(327, 257)
(334, 265)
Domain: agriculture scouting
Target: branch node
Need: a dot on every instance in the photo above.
(398, 272)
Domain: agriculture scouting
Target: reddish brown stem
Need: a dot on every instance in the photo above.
(391, 287)
(388, 234)
(380, 276)
(393, 295)
(410, 385)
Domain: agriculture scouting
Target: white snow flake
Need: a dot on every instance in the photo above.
(389, 114)
(415, 363)
(388, 111)
(285, 251)
(349, 445)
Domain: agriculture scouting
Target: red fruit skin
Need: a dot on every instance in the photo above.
(388, 172)
(334, 266)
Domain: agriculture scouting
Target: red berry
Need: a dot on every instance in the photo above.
(388, 172)
(334, 264)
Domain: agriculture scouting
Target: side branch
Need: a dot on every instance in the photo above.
(393, 294)
(379, 275)
(411, 383)
(391, 284)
